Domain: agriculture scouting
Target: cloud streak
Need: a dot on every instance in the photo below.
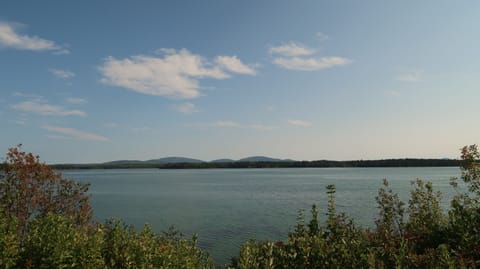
(226, 124)
(45, 109)
(410, 77)
(175, 75)
(234, 65)
(292, 49)
(235, 124)
(321, 36)
(261, 127)
(63, 74)
(299, 123)
(10, 38)
(76, 101)
(186, 108)
(310, 64)
(65, 133)
(296, 56)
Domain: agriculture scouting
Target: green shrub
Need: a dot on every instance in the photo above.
(54, 241)
(123, 247)
(420, 236)
(9, 247)
(340, 244)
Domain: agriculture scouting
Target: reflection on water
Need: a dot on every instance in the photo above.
(226, 207)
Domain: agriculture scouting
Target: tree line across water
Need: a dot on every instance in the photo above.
(46, 222)
(409, 162)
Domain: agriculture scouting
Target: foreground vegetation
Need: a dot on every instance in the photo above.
(46, 222)
(414, 235)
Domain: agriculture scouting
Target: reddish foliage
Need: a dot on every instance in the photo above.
(30, 188)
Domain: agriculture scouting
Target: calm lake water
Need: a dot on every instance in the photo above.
(226, 207)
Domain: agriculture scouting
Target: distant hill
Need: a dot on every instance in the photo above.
(168, 160)
(155, 161)
(173, 160)
(257, 162)
(262, 159)
(124, 162)
(223, 161)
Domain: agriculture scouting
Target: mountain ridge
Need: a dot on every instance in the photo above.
(257, 162)
(179, 159)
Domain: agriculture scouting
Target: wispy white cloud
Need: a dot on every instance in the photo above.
(61, 52)
(300, 123)
(63, 74)
(134, 129)
(233, 64)
(76, 101)
(36, 97)
(292, 49)
(310, 64)
(234, 124)
(10, 38)
(64, 132)
(176, 74)
(321, 36)
(21, 121)
(411, 76)
(186, 108)
(43, 108)
(165, 51)
(296, 56)
(226, 124)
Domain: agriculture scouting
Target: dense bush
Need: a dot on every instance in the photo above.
(414, 235)
(45, 222)
(30, 189)
(54, 241)
(123, 247)
(9, 243)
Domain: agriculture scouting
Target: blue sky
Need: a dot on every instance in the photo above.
(92, 81)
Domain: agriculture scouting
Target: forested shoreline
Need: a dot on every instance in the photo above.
(280, 164)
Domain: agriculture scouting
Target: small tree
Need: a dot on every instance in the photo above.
(471, 168)
(29, 188)
(464, 214)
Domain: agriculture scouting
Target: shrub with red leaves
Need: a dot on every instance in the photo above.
(29, 188)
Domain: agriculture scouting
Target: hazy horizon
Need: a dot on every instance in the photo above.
(90, 82)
